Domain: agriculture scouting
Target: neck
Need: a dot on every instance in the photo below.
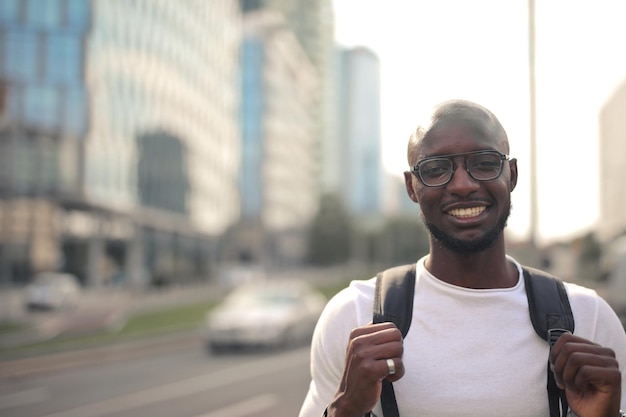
(484, 270)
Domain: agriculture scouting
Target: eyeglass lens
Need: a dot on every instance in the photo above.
(482, 166)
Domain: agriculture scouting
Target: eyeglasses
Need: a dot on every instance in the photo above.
(437, 171)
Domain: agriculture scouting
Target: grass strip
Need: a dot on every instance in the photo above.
(149, 323)
(152, 323)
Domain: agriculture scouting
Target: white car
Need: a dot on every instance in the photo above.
(52, 290)
(265, 314)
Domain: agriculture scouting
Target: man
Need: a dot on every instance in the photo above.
(471, 349)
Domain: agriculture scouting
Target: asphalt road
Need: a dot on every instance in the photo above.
(182, 381)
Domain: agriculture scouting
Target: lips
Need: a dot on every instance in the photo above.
(466, 212)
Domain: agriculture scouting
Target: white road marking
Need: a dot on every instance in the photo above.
(31, 396)
(202, 383)
(247, 408)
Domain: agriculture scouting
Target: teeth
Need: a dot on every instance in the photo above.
(467, 212)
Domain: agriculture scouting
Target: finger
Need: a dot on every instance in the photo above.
(568, 345)
(558, 360)
(372, 328)
(565, 339)
(567, 361)
(376, 334)
(590, 378)
(585, 369)
(559, 353)
(367, 356)
(395, 368)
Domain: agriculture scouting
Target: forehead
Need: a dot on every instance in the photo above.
(453, 137)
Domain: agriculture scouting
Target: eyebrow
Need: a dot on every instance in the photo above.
(449, 155)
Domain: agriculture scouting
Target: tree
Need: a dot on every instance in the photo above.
(402, 240)
(330, 232)
(589, 258)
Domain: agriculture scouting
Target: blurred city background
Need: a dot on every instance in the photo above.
(188, 146)
(150, 143)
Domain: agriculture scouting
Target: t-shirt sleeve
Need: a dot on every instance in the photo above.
(328, 351)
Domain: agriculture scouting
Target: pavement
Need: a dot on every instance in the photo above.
(108, 308)
(97, 310)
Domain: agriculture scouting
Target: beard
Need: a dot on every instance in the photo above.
(468, 247)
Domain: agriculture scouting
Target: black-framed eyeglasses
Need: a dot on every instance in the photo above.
(436, 171)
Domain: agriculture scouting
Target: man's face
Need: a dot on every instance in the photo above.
(465, 215)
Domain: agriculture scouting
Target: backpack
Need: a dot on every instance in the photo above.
(549, 310)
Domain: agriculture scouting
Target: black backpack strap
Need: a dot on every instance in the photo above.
(393, 301)
(549, 309)
(551, 316)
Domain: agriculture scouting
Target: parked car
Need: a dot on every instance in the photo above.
(234, 275)
(265, 314)
(51, 291)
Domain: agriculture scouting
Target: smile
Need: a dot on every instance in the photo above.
(465, 213)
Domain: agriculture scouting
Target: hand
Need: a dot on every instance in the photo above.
(365, 368)
(590, 375)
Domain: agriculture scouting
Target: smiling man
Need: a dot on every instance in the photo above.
(471, 349)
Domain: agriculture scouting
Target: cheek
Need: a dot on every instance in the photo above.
(425, 198)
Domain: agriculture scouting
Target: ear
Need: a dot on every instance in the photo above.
(513, 167)
(408, 183)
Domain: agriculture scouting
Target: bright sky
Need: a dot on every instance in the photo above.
(433, 50)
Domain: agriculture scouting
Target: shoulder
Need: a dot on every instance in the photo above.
(594, 318)
(584, 298)
(353, 302)
(349, 308)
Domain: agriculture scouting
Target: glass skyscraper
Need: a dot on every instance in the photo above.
(119, 139)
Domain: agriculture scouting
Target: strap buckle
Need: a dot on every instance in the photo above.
(554, 334)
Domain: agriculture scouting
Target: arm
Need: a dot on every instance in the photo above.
(590, 375)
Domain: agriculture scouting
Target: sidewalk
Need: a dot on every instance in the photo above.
(108, 308)
(98, 310)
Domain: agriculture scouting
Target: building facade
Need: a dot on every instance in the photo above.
(119, 137)
(612, 219)
(313, 24)
(362, 173)
(278, 181)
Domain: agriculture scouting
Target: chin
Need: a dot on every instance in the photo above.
(467, 246)
(463, 246)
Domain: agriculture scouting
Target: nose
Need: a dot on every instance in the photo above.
(462, 182)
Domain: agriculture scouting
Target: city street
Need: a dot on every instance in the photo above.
(186, 382)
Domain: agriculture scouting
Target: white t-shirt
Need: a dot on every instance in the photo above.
(468, 352)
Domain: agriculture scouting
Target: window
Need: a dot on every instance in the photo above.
(21, 55)
(64, 58)
(48, 164)
(13, 100)
(75, 111)
(44, 14)
(24, 172)
(41, 107)
(78, 13)
(9, 11)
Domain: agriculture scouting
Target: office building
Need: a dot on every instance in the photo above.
(312, 23)
(360, 149)
(612, 163)
(119, 142)
(278, 181)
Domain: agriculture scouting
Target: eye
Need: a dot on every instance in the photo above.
(485, 163)
(435, 168)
